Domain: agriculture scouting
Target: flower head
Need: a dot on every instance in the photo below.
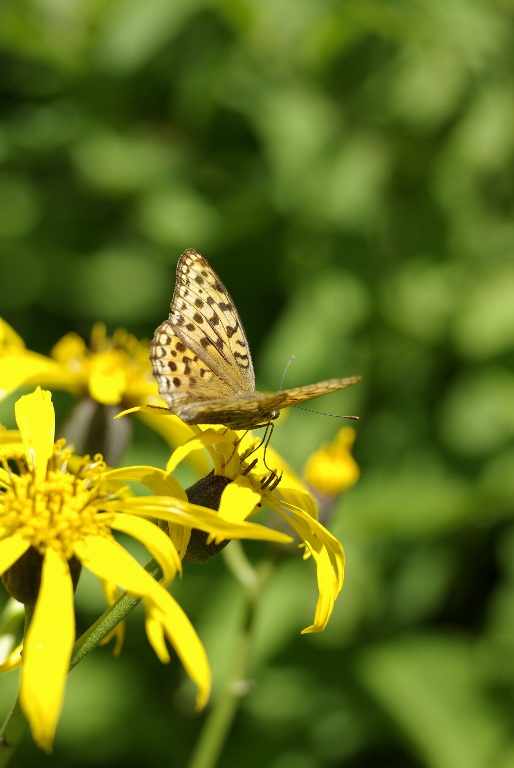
(108, 372)
(58, 513)
(111, 370)
(332, 469)
(239, 458)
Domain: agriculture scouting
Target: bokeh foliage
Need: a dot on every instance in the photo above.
(347, 167)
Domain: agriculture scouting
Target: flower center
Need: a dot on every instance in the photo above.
(58, 510)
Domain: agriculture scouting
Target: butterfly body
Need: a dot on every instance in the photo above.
(202, 362)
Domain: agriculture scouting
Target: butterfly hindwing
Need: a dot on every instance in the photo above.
(182, 377)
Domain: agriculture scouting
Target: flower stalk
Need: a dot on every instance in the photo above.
(218, 722)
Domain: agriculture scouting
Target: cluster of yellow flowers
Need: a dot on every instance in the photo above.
(60, 512)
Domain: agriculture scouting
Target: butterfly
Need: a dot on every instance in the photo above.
(201, 358)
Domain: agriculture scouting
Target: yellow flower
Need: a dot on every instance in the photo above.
(239, 457)
(112, 370)
(53, 521)
(10, 341)
(332, 469)
(19, 366)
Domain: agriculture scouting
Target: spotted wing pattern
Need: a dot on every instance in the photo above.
(200, 353)
(202, 361)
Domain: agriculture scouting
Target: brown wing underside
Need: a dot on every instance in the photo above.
(183, 377)
(246, 412)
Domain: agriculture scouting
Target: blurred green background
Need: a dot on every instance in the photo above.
(347, 168)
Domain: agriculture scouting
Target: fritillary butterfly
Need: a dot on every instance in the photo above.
(202, 362)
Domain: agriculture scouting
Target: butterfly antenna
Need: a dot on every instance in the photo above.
(323, 413)
(320, 413)
(285, 371)
(273, 478)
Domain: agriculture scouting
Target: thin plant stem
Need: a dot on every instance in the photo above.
(218, 723)
(15, 725)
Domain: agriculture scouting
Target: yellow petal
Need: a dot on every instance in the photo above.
(328, 555)
(107, 380)
(155, 633)
(327, 593)
(332, 469)
(108, 560)
(9, 339)
(36, 421)
(238, 500)
(175, 432)
(205, 439)
(155, 541)
(11, 550)
(180, 535)
(47, 650)
(187, 644)
(194, 516)
(13, 661)
(294, 492)
(20, 369)
(70, 351)
(157, 480)
(153, 409)
(11, 444)
(315, 536)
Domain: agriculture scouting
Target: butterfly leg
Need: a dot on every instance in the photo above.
(246, 453)
(266, 440)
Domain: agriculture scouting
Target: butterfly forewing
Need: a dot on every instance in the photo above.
(200, 353)
(205, 318)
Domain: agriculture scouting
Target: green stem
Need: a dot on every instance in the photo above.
(12, 733)
(15, 724)
(112, 616)
(218, 722)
